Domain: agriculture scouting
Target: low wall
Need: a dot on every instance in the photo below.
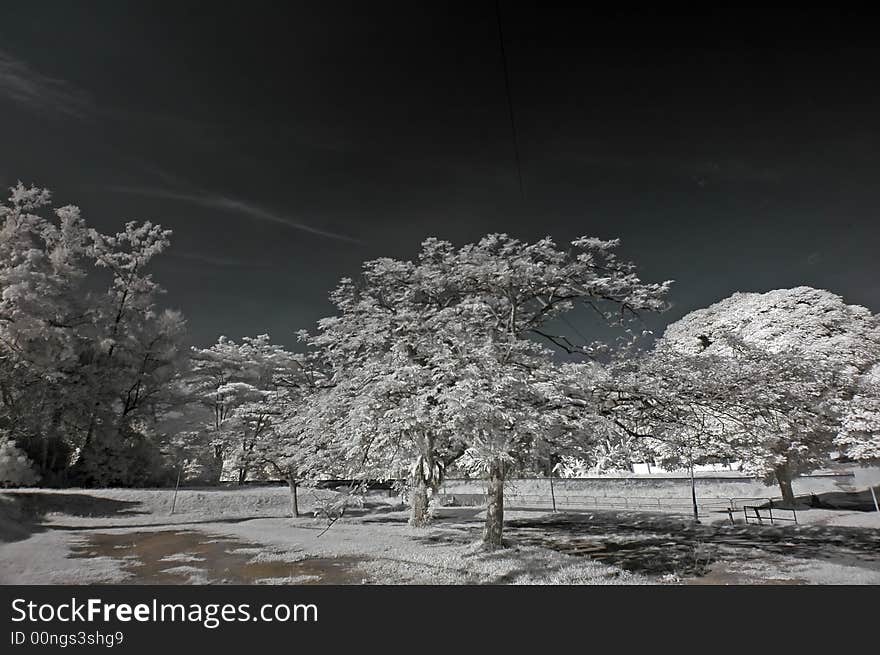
(642, 491)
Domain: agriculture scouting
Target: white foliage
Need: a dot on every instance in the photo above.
(16, 469)
(436, 360)
(859, 433)
(97, 363)
(786, 364)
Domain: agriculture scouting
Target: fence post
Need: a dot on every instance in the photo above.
(770, 506)
(874, 496)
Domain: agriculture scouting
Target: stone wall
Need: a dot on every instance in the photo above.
(645, 492)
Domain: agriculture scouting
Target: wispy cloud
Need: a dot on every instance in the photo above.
(34, 90)
(232, 205)
(222, 262)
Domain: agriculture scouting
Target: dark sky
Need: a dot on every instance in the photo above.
(286, 143)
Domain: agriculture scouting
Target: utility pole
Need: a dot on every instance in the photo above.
(176, 487)
(693, 486)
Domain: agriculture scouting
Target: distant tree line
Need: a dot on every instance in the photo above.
(459, 360)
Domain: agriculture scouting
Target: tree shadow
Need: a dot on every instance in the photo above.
(657, 544)
(854, 501)
(442, 515)
(370, 509)
(23, 513)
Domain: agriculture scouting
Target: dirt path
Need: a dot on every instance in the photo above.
(193, 557)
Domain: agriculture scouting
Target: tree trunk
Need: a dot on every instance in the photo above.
(423, 478)
(494, 527)
(44, 458)
(694, 495)
(93, 419)
(418, 500)
(294, 503)
(50, 440)
(783, 477)
(216, 473)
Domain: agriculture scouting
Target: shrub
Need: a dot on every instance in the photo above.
(16, 468)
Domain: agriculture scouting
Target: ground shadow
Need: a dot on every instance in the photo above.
(441, 515)
(370, 509)
(655, 544)
(855, 501)
(22, 513)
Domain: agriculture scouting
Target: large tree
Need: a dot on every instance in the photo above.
(688, 409)
(82, 370)
(300, 444)
(805, 349)
(240, 383)
(476, 318)
(44, 264)
(381, 347)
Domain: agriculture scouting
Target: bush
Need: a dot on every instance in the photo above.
(126, 461)
(16, 468)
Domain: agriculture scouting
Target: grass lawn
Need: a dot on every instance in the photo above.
(246, 537)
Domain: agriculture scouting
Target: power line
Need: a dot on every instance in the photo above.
(574, 329)
(509, 101)
(513, 130)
